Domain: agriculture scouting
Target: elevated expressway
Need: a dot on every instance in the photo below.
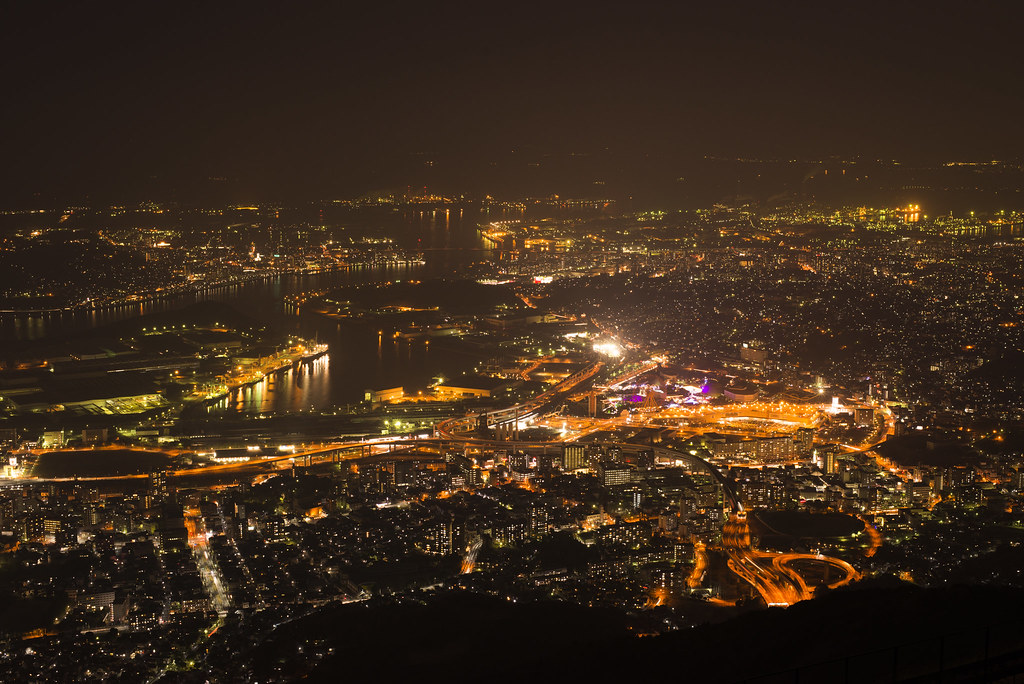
(773, 575)
(456, 428)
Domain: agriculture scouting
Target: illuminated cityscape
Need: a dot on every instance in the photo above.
(288, 395)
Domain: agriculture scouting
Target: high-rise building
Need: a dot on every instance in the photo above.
(804, 441)
(574, 457)
(539, 521)
(828, 458)
(613, 474)
(864, 415)
(519, 461)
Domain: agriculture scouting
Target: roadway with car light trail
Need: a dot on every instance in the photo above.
(209, 572)
(772, 575)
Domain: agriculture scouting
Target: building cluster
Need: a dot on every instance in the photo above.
(642, 382)
(103, 258)
(922, 315)
(147, 570)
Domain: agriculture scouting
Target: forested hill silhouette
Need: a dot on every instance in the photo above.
(864, 624)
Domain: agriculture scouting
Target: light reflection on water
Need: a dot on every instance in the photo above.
(358, 359)
(302, 388)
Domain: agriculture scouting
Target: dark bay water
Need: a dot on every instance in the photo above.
(359, 357)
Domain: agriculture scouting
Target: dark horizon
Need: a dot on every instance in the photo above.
(121, 100)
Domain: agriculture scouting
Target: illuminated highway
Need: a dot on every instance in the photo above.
(629, 375)
(776, 590)
(783, 563)
(700, 565)
(208, 569)
(773, 575)
(455, 428)
(472, 550)
(874, 535)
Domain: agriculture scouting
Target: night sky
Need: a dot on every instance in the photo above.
(140, 99)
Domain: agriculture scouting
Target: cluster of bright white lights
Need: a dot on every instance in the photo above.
(606, 348)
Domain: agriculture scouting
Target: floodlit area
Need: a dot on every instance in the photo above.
(754, 420)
